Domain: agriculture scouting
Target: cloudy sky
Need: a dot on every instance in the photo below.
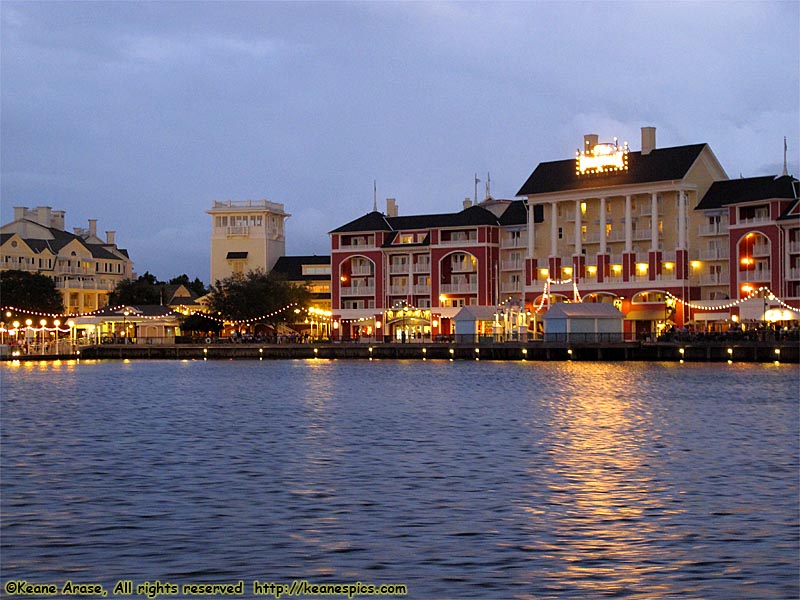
(142, 114)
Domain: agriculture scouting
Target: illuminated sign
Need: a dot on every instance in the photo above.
(603, 158)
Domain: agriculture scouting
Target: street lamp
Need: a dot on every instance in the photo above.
(125, 326)
(43, 322)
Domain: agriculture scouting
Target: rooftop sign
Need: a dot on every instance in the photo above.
(603, 158)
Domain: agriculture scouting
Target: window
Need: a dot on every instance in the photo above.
(561, 233)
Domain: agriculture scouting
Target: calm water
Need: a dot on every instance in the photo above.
(460, 480)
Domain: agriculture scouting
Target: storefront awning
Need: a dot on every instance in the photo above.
(712, 316)
(646, 314)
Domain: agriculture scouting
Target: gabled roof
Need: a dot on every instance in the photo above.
(517, 214)
(475, 313)
(661, 164)
(586, 310)
(749, 189)
(292, 267)
(61, 238)
(373, 221)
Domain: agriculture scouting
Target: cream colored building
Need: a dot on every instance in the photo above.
(85, 267)
(246, 235)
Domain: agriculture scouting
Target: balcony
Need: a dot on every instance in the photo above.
(794, 274)
(359, 290)
(756, 220)
(422, 290)
(422, 267)
(794, 247)
(762, 275)
(714, 254)
(466, 266)
(714, 279)
(512, 243)
(459, 288)
(398, 290)
(511, 265)
(401, 268)
(469, 241)
(238, 231)
(362, 271)
(716, 229)
(510, 286)
(761, 250)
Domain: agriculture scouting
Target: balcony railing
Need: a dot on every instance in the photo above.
(511, 265)
(422, 289)
(794, 247)
(714, 254)
(512, 243)
(459, 288)
(463, 267)
(757, 220)
(422, 267)
(510, 286)
(763, 275)
(398, 268)
(238, 230)
(794, 274)
(398, 290)
(465, 242)
(361, 271)
(714, 279)
(761, 250)
(360, 290)
(716, 229)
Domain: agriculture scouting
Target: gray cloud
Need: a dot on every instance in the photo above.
(141, 114)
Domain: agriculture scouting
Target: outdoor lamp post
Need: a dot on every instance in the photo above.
(125, 327)
(42, 323)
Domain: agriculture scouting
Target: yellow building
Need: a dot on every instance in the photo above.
(86, 269)
(246, 235)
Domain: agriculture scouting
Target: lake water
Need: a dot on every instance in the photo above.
(459, 480)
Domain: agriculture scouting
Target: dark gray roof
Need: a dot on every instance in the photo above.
(291, 267)
(517, 214)
(663, 164)
(61, 238)
(375, 221)
(734, 191)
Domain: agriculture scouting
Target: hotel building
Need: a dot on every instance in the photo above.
(661, 233)
(86, 268)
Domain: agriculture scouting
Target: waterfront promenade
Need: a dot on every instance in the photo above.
(561, 350)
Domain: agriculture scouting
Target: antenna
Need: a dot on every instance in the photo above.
(785, 166)
(488, 186)
(374, 195)
(477, 181)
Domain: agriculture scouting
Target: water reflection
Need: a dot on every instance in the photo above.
(462, 480)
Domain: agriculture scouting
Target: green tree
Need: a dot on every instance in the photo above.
(30, 291)
(144, 290)
(254, 295)
(196, 286)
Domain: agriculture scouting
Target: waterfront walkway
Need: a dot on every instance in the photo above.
(690, 351)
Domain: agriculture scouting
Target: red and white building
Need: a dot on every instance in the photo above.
(661, 233)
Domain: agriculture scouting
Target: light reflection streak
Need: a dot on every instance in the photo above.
(602, 495)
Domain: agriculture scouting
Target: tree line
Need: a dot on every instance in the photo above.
(243, 296)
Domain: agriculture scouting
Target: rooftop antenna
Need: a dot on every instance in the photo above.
(785, 166)
(477, 181)
(374, 195)
(488, 186)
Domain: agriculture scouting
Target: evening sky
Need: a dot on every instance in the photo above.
(142, 114)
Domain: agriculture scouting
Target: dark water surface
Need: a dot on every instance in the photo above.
(460, 480)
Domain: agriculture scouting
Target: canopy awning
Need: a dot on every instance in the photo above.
(645, 314)
(711, 316)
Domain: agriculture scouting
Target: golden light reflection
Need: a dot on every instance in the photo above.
(602, 490)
